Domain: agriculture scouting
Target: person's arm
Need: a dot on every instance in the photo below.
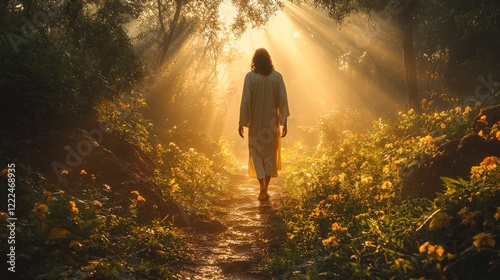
(284, 112)
(240, 131)
(285, 130)
(245, 107)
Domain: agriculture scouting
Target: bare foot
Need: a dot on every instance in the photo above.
(263, 195)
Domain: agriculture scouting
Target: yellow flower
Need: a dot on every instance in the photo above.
(387, 185)
(134, 192)
(482, 240)
(140, 198)
(398, 262)
(426, 141)
(330, 241)
(343, 165)
(319, 212)
(366, 179)
(489, 163)
(334, 197)
(369, 244)
(423, 247)
(64, 172)
(480, 133)
(342, 177)
(431, 249)
(83, 172)
(97, 203)
(334, 179)
(385, 169)
(468, 109)
(443, 126)
(74, 209)
(476, 172)
(41, 209)
(497, 214)
(337, 227)
(440, 251)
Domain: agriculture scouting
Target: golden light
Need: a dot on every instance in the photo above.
(316, 59)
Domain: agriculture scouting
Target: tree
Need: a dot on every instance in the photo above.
(60, 59)
(185, 43)
(464, 37)
(403, 13)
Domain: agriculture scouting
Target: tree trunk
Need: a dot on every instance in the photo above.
(406, 22)
(168, 37)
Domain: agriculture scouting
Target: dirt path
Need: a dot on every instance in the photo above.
(250, 237)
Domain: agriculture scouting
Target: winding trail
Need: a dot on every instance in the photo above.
(250, 237)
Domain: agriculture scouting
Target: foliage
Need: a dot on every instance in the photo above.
(444, 43)
(191, 178)
(253, 14)
(191, 173)
(59, 62)
(351, 216)
(463, 230)
(83, 234)
(454, 43)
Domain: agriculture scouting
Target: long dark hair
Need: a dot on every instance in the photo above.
(262, 63)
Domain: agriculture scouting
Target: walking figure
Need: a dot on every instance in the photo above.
(264, 108)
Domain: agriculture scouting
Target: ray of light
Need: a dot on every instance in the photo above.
(317, 60)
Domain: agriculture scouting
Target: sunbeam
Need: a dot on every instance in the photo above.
(325, 67)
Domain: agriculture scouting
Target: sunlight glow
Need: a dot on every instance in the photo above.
(316, 59)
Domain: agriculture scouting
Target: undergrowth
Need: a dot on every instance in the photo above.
(351, 216)
(81, 229)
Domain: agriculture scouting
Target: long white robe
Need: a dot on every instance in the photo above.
(264, 107)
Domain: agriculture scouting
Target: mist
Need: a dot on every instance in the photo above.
(325, 67)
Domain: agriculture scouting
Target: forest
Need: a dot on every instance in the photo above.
(120, 156)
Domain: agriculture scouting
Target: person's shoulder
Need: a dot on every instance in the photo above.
(250, 74)
(276, 73)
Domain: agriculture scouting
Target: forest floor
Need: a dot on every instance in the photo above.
(250, 238)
